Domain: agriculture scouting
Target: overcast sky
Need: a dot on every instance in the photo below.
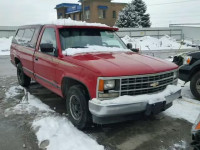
(19, 12)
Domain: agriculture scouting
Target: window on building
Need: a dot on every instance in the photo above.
(74, 16)
(87, 14)
(49, 37)
(114, 14)
(60, 16)
(102, 13)
(80, 17)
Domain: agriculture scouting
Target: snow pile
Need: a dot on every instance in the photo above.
(49, 126)
(149, 98)
(13, 91)
(70, 22)
(29, 104)
(62, 135)
(92, 49)
(181, 145)
(186, 108)
(151, 43)
(5, 44)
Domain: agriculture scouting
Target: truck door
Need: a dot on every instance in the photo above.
(44, 67)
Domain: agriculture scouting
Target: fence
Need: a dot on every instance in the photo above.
(154, 32)
(7, 31)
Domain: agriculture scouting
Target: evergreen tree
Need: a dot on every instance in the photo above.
(134, 15)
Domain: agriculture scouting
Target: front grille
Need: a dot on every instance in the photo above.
(146, 84)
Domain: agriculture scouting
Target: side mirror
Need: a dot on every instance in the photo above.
(46, 48)
(135, 50)
(130, 46)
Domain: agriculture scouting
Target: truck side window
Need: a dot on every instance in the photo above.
(28, 35)
(19, 36)
(49, 37)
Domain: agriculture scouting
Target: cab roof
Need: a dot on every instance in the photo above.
(68, 23)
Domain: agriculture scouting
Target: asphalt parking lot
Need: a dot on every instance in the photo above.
(158, 132)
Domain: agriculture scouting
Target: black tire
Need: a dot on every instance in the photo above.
(195, 85)
(77, 107)
(23, 79)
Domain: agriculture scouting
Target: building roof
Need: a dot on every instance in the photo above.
(185, 25)
(66, 5)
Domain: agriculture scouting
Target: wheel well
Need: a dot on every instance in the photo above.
(194, 71)
(69, 82)
(17, 61)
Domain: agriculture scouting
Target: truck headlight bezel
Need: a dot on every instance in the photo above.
(108, 88)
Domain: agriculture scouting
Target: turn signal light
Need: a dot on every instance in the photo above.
(198, 126)
(101, 85)
(188, 61)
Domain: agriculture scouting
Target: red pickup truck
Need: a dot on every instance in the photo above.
(88, 65)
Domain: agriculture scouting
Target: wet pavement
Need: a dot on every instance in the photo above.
(155, 133)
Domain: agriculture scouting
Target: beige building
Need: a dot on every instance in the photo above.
(100, 11)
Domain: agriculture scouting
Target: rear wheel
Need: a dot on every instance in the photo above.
(195, 85)
(23, 79)
(77, 107)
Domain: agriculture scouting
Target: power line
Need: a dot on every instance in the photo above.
(172, 3)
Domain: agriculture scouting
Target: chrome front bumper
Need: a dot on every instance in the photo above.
(109, 110)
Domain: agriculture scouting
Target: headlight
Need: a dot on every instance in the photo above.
(187, 60)
(109, 84)
(108, 88)
(106, 85)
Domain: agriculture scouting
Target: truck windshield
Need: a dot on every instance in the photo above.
(82, 38)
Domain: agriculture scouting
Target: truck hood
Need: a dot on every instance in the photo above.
(121, 63)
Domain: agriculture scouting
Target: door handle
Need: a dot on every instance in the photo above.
(36, 58)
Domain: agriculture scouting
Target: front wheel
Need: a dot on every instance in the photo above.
(77, 107)
(195, 85)
(23, 79)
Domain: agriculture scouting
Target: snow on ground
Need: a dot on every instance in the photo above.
(181, 145)
(63, 135)
(50, 126)
(5, 45)
(150, 43)
(28, 104)
(186, 108)
(13, 91)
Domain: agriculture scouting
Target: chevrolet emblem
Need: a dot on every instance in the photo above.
(154, 84)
